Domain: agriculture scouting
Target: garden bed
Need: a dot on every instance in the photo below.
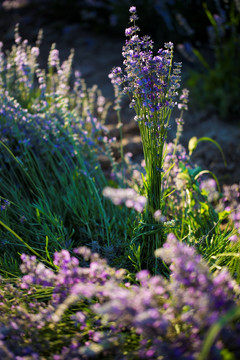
(117, 241)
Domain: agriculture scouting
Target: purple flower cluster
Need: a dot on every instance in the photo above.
(202, 296)
(149, 79)
(38, 109)
(112, 318)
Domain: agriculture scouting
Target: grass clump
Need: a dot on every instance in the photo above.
(52, 136)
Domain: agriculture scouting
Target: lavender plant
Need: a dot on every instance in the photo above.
(45, 101)
(52, 134)
(192, 210)
(151, 85)
(151, 82)
(171, 181)
(82, 311)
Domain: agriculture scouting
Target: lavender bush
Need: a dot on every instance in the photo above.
(169, 181)
(152, 85)
(93, 311)
(52, 133)
(36, 104)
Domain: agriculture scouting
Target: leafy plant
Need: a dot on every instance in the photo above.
(219, 79)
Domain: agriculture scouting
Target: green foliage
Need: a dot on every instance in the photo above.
(60, 201)
(218, 81)
(50, 173)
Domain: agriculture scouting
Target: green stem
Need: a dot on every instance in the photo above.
(120, 126)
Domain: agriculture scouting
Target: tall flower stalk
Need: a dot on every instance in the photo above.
(151, 82)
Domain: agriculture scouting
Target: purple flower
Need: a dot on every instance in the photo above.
(53, 59)
(191, 300)
(148, 77)
(132, 9)
(194, 286)
(129, 31)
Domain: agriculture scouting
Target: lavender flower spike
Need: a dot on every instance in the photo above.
(152, 82)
